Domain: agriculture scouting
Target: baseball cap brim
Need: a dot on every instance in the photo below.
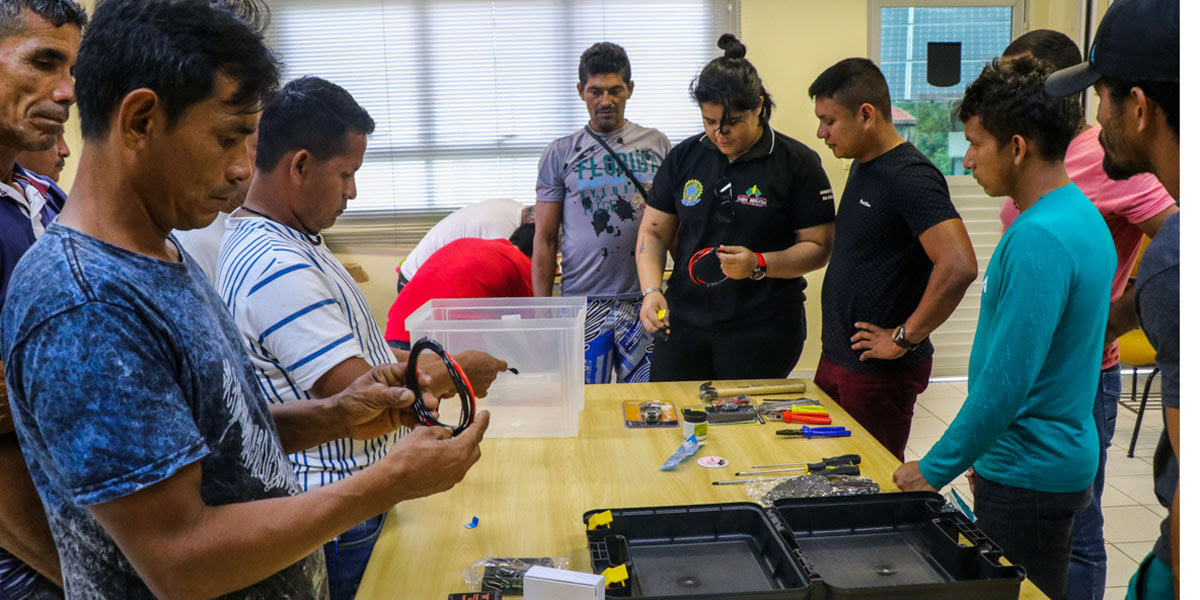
(1072, 80)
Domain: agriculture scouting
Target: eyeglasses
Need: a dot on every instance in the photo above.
(724, 192)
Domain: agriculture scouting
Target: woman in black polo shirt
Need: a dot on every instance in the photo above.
(752, 212)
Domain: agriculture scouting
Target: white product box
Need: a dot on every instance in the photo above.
(544, 583)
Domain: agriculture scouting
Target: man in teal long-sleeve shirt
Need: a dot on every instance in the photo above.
(1027, 425)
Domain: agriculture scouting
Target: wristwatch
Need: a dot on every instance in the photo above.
(760, 271)
(898, 339)
(648, 291)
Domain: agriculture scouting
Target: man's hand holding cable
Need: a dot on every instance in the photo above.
(480, 368)
(654, 303)
(378, 403)
(429, 461)
(737, 262)
(876, 341)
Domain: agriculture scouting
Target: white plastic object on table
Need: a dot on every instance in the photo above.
(544, 583)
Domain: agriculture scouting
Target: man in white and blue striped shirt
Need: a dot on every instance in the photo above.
(304, 321)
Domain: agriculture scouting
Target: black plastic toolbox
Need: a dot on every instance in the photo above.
(896, 546)
(900, 546)
(711, 552)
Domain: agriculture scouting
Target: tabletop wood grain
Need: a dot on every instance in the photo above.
(530, 494)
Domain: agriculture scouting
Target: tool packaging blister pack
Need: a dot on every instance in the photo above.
(506, 574)
(733, 409)
(816, 485)
(642, 415)
(904, 546)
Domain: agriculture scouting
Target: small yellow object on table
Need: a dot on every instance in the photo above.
(530, 494)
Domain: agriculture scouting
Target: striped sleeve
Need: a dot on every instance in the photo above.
(289, 309)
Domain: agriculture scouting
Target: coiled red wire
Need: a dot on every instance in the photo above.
(692, 268)
(462, 385)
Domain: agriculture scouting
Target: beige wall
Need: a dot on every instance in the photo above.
(379, 261)
(790, 42)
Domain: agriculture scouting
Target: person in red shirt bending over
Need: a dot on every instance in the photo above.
(465, 268)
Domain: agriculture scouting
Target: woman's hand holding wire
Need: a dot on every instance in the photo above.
(737, 262)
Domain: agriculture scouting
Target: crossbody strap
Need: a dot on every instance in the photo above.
(617, 157)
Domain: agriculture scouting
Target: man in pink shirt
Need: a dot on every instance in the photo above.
(1132, 208)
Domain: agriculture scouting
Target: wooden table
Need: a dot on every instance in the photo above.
(530, 494)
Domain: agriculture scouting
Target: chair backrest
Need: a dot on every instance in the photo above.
(1136, 349)
(1137, 262)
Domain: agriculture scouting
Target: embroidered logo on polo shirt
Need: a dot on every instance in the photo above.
(864, 203)
(691, 192)
(752, 197)
(827, 194)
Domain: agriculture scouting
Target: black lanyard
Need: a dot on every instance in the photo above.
(628, 173)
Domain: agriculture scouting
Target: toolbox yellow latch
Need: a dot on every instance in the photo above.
(616, 576)
(600, 519)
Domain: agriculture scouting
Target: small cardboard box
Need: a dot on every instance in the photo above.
(544, 583)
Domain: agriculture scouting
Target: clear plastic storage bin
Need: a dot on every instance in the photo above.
(541, 337)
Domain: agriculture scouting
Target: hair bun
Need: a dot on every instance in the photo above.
(732, 47)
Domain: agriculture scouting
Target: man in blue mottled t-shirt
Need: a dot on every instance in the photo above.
(1026, 425)
(161, 466)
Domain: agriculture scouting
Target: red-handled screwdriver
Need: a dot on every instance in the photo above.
(806, 417)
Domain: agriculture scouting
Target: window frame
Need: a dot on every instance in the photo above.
(875, 30)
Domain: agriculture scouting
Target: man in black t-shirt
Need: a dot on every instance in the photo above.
(882, 295)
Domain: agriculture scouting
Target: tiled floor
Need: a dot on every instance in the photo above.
(1131, 512)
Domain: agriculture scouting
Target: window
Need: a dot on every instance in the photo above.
(901, 31)
(467, 93)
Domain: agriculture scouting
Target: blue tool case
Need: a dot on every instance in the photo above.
(896, 546)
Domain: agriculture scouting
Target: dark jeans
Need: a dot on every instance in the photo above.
(765, 350)
(1032, 528)
(1086, 573)
(881, 402)
(347, 555)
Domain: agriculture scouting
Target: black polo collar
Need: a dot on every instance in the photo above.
(763, 147)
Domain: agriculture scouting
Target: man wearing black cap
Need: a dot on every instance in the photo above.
(1134, 65)
(1133, 209)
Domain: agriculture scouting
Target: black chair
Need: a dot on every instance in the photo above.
(1141, 412)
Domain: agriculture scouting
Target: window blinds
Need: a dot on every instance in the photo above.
(467, 93)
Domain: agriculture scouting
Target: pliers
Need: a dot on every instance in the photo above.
(818, 432)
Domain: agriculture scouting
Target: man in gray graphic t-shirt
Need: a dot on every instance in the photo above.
(587, 189)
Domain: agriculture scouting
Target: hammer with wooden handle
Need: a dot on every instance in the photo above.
(710, 392)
